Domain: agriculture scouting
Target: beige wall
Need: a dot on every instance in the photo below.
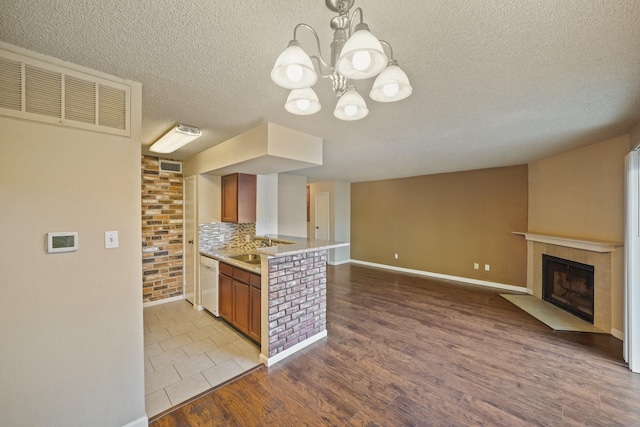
(444, 223)
(635, 137)
(580, 193)
(72, 338)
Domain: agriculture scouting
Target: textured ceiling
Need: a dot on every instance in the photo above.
(495, 83)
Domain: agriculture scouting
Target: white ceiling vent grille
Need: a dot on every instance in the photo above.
(170, 166)
(36, 90)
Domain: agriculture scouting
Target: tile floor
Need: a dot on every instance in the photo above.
(552, 316)
(187, 352)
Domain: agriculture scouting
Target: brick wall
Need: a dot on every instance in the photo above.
(161, 232)
(297, 299)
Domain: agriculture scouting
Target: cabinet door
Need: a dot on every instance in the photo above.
(230, 198)
(225, 289)
(254, 317)
(241, 306)
(246, 203)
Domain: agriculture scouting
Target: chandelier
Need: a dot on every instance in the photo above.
(356, 54)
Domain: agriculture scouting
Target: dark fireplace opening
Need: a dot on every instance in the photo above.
(568, 285)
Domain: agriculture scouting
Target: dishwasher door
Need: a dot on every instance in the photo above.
(209, 284)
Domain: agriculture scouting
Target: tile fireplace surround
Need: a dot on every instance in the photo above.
(601, 254)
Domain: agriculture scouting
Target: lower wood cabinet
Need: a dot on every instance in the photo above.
(241, 306)
(225, 297)
(240, 300)
(255, 319)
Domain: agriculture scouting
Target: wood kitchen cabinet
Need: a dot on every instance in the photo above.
(254, 313)
(239, 198)
(240, 300)
(225, 291)
(241, 306)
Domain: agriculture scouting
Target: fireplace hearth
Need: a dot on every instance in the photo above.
(569, 285)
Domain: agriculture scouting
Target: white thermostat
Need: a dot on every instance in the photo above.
(66, 241)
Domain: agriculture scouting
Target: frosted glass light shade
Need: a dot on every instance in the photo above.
(175, 138)
(391, 85)
(351, 106)
(362, 55)
(302, 102)
(293, 68)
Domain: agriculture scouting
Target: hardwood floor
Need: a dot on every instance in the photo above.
(406, 350)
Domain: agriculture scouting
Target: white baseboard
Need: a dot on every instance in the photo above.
(446, 277)
(162, 301)
(344, 261)
(618, 334)
(140, 422)
(270, 361)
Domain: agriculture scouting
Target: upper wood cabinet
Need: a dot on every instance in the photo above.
(239, 198)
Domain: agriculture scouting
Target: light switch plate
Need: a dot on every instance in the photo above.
(110, 239)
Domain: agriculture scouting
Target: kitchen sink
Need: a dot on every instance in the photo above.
(248, 258)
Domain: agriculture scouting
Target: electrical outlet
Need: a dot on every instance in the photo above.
(476, 266)
(247, 237)
(487, 267)
(221, 238)
(396, 256)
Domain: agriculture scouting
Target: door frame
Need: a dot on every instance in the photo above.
(193, 257)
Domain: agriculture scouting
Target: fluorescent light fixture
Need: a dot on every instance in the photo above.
(175, 138)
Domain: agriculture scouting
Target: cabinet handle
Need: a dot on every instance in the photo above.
(191, 242)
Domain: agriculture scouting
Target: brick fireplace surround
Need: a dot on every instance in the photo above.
(601, 254)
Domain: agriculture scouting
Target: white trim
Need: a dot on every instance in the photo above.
(140, 422)
(631, 345)
(503, 286)
(592, 245)
(270, 361)
(618, 334)
(345, 261)
(162, 301)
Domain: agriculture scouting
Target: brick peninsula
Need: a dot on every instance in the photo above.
(294, 295)
(293, 292)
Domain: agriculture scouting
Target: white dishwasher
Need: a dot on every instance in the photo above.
(209, 284)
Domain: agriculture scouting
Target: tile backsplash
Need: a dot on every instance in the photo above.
(221, 235)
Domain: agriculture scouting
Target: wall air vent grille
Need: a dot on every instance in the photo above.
(36, 90)
(80, 100)
(10, 84)
(113, 112)
(43, 93)
(170, 166)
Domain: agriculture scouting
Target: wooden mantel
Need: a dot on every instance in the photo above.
(593, 245)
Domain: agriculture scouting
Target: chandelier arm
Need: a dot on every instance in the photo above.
(321, 66)
(388, 46)
(315, 34)
(351, 21)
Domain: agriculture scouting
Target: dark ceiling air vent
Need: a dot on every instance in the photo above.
(34, 90)
(170, 166)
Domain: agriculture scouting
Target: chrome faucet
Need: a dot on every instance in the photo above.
(264, 241)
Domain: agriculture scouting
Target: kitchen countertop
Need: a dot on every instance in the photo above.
(297, 245)
(285, 245)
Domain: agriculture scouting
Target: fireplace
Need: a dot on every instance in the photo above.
(568, 285)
